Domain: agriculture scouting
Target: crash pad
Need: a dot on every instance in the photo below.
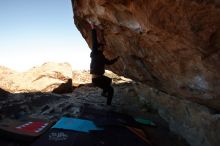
(145, 121)
(110, 136)
(94, 128)
(76, 124)
(25, 129)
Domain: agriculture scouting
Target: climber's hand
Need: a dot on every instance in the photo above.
(116, 59)
(91, 24)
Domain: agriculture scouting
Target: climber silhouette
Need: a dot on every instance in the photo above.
(97, 67)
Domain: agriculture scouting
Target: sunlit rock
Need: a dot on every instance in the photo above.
(50, 77)
(171, 45)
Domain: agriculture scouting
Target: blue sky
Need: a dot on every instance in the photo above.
(33, 32)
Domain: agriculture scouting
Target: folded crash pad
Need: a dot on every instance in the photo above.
(25, 129)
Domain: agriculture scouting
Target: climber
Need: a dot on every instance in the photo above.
(97, 67)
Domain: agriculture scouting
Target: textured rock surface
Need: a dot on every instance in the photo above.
(81, 77)
(196, 123)
(171, 45)
(50, 77)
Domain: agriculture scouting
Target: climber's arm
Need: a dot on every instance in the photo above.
(94, 38)
(110, 62)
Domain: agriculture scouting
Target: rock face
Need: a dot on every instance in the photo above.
(171, 45)
(50, 77)
(196, 123)
(81, 77)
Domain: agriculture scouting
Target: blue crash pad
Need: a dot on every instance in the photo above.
(76, 124)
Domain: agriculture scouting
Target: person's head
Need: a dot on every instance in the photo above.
(100, 46)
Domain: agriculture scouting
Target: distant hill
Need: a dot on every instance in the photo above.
(5, 71)
(44, 78)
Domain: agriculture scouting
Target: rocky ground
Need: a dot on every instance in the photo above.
(53, 106)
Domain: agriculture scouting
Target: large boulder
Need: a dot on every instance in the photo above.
(171, 45)
(49, 77)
